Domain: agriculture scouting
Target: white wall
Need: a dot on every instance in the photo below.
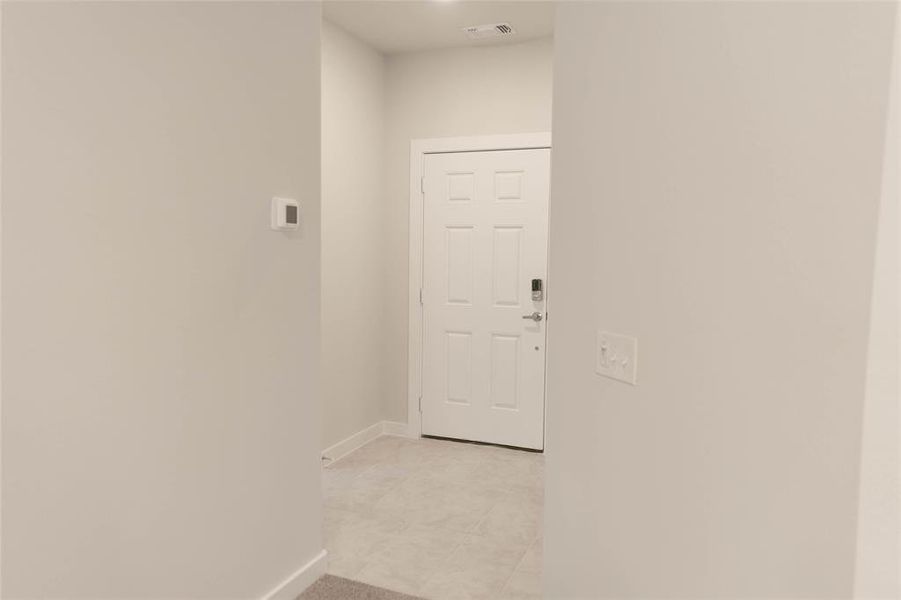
(353, 230)
(878, 573)
(161, 416)
(447, 93)
(716, 178)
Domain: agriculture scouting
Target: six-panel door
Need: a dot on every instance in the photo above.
(485, 240)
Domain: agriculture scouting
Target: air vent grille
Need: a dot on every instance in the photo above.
(481, 32)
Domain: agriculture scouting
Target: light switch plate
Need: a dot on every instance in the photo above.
(617, 357)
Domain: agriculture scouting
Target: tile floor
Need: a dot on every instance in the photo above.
(437, 519)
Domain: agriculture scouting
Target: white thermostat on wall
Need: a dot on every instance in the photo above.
(285, 214)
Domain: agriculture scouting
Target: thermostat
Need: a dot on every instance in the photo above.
(285, 214)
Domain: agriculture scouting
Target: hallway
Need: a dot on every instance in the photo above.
(437, 519)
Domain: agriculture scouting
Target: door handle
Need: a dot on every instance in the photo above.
(535, 316)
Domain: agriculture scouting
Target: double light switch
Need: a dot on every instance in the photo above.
(617, 356)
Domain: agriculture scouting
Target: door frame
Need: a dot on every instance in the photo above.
(419, 148)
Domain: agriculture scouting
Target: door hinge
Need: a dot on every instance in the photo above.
(422, 185)
(420, 296)
(420, 404)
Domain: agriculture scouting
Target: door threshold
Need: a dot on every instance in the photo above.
(475, 443)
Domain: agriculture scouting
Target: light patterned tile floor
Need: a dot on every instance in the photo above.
(437, 519)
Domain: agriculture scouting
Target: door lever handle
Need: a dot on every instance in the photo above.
(535, 316)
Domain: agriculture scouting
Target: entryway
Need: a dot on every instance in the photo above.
(448, 518)
(435, 294)
(478, 372)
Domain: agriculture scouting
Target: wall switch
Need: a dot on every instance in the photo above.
(617, 356)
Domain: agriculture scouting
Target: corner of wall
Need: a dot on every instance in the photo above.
(300, 580)
(878, 560)
(353, 279)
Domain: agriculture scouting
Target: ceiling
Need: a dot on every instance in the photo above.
(393, 26)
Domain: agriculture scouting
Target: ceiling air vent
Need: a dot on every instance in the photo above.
(481, 32)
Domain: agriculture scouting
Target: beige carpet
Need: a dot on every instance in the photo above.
(330, 587)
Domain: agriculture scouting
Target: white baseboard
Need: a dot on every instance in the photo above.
(361, 438)
(301, 579)
(351, 443)
(395, 428)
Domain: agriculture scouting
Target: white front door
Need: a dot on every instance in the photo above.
(484, 241)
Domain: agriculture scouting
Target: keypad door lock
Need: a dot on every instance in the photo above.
(537, 290)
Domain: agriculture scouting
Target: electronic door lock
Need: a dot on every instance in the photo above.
(537, 291)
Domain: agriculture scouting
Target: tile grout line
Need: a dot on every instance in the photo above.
(516, 567)
(441, 566)
(523, 557)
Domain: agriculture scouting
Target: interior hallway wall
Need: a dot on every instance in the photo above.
(716, 177)
(353, 235)
(160, 344)
(878, 573)
(446, 93)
